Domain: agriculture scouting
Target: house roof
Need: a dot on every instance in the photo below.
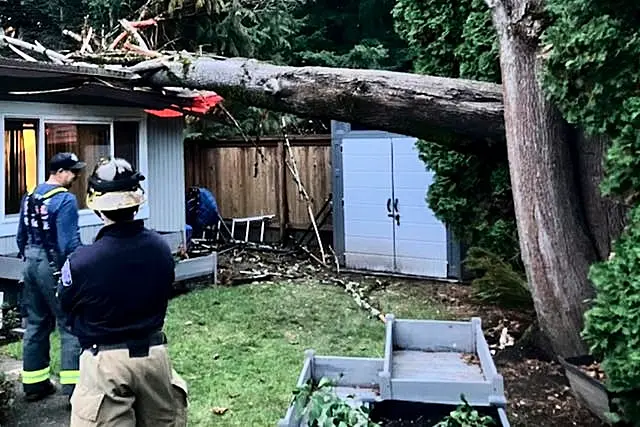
(93, 85)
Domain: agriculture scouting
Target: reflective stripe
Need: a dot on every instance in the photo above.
(51, 193)
(33, 377)
(69, 377)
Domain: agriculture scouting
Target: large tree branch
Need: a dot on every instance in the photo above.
(433, 108)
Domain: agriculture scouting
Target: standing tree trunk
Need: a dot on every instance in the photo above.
(556, 244)
(605, 217)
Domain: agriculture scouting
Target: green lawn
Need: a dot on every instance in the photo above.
(242, 348)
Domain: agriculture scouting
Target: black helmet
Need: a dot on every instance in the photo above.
(114, 185)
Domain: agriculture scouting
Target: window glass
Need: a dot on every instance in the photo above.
(125, 141)
(21, 161)
(89, 141)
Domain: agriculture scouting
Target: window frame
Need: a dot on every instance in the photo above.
(47, 113)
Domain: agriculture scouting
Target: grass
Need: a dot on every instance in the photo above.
(242, 348)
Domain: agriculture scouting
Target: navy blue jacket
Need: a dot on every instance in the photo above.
(118, 288)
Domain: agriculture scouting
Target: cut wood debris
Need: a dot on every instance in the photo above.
(218, 410)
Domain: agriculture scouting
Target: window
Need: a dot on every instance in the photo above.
(126, 137)
(25, 154)
(21, 161)
(357, 126)
(90, 142)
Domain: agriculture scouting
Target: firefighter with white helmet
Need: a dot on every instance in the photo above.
(115, 293)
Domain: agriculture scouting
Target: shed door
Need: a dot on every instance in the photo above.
(420, 238)
(368, 231)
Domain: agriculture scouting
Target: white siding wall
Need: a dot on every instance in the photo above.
(165, 184)
(166, 175)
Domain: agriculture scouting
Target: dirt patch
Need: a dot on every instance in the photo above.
(412, 414)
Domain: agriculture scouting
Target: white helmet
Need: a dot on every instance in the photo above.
(114, 185)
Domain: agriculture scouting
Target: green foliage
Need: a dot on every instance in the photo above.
(42, 20)
(11, 318)
(451, 39)
(497, 282)
(349, 33)
(7, 396)
(466, 416)
(612, 325)
(471, 193)
(322, 407)
(369, 54)
(592, 75)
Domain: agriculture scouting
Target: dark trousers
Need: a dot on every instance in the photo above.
(43, 314)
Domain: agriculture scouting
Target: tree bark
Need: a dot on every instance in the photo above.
(605, 217)
(433, 108)
(555, 242)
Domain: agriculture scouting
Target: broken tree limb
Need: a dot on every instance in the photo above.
(335, 259)
(293, 167)
(134, 32)
(54, 56)
(37, 47)
(86, 46)
(77, 37)
(315, 258)
(21, 54)
(141, 51)
(242, 133)
(355, 290)
(433, 108)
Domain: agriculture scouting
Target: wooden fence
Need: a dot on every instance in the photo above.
(227, 168)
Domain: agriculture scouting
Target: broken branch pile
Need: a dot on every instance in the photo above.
(129, 46)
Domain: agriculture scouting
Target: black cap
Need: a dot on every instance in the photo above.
(65, 161)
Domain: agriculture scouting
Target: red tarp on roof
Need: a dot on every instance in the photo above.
(200, 104)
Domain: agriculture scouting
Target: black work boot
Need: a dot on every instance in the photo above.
(47, 389)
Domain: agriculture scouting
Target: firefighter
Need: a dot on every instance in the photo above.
(115, 293)
(47, 234)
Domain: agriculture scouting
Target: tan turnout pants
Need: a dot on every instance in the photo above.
(118, 390)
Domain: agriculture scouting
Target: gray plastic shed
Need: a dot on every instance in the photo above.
(381, 220)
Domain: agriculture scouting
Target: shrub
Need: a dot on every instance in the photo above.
(7, 395)
(497, 282)
(466, 416)
(322, 406)
(612, 324)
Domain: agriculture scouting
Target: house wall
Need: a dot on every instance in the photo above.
(161, 161)
(166, 178)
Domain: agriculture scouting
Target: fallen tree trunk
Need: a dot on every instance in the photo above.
(433, 108)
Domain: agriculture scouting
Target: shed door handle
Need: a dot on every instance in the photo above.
(388, 205)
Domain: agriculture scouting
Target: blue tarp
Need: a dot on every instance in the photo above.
(202, 209)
